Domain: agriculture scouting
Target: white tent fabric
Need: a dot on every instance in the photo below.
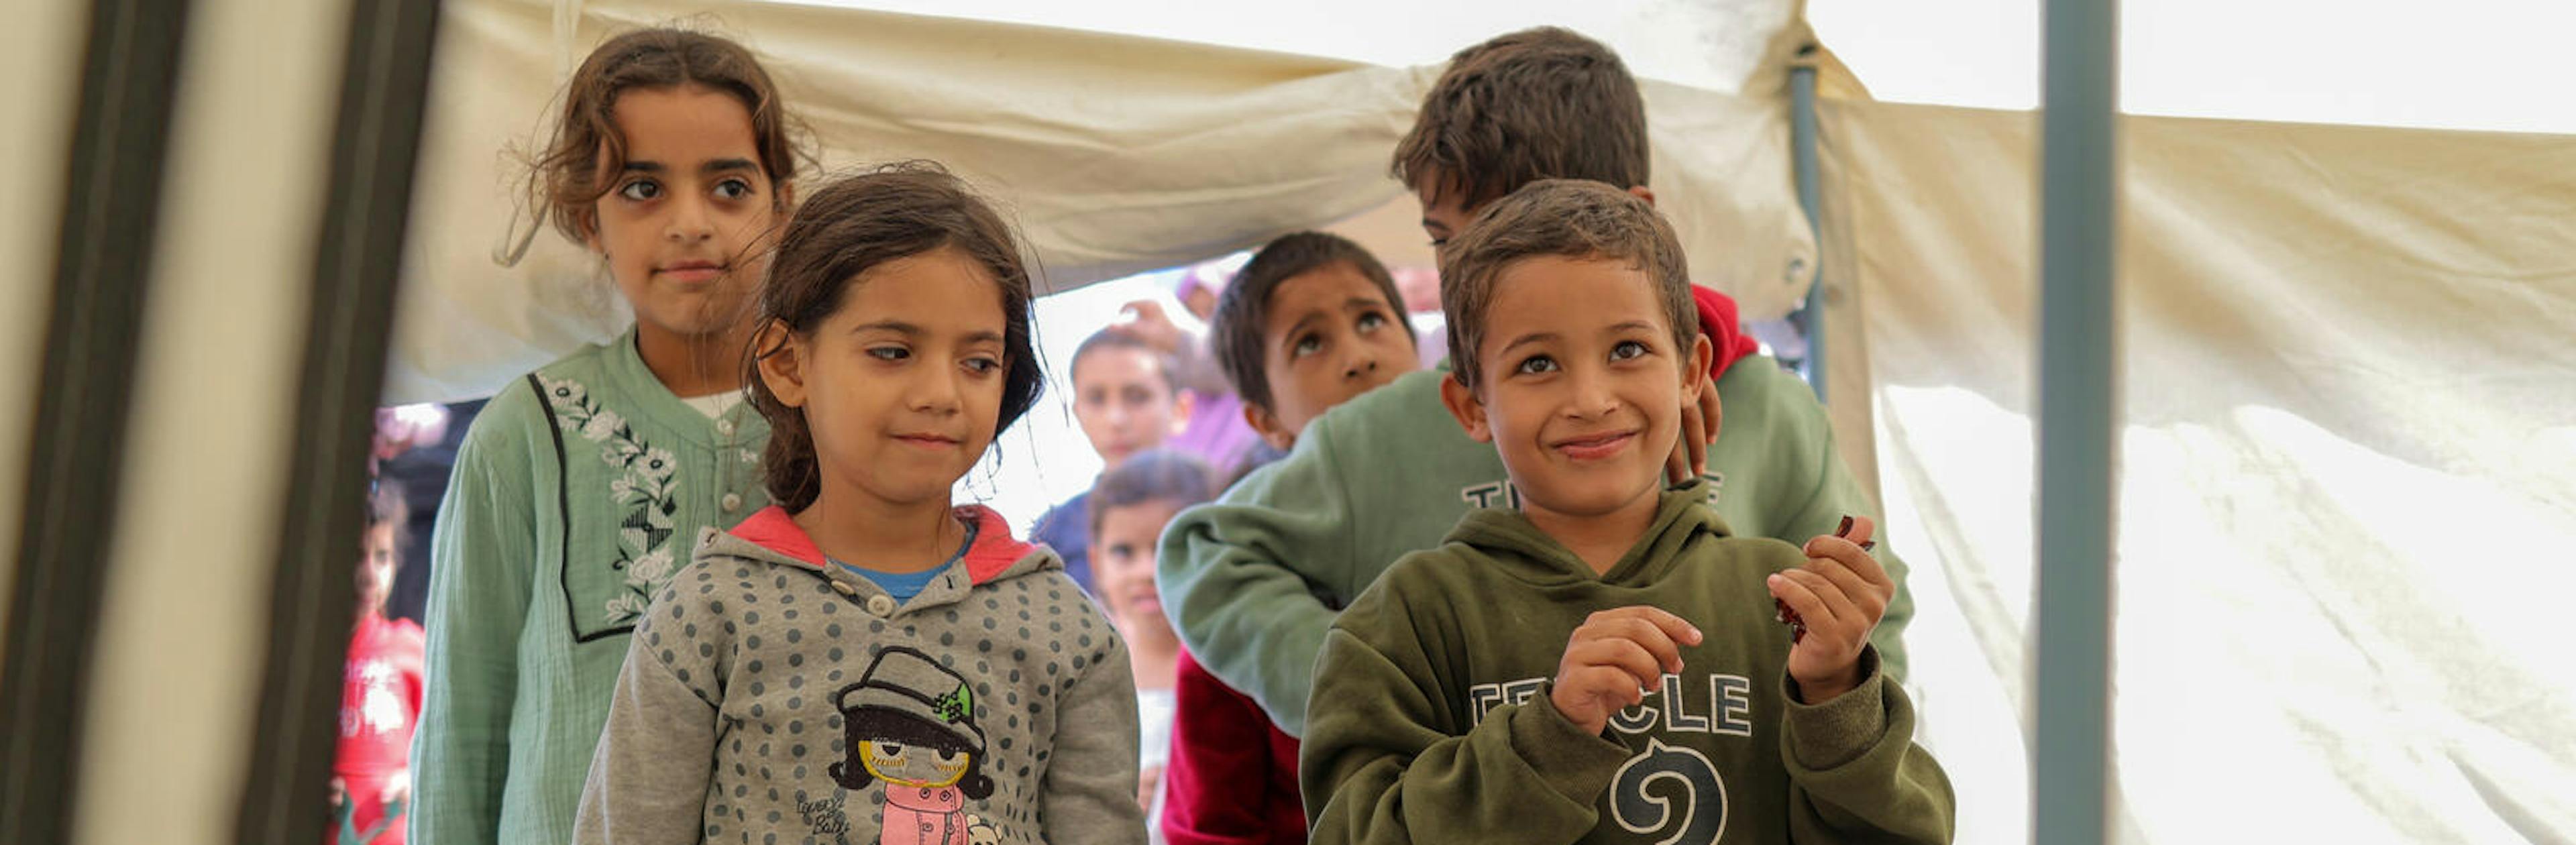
(1117, 154)
(2348, 473)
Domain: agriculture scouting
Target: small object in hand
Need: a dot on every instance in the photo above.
(1780, 609)
(1785, 616)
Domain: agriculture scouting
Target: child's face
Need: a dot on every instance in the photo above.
(376, 569)
(1582, 386)
(914, 766)
(1123, 402)
(902, 385)
(1329, 335)
(679, 226)
(1122, 560)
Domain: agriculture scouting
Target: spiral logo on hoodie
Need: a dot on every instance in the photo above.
(1669, 790)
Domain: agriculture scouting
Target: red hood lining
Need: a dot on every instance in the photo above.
(994, 551)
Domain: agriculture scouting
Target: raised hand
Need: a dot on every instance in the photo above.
(1832, 603)
(1612, 658)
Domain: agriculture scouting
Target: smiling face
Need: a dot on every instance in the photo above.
(1329, 334)
(1122, 562)
(1582, 384)
(912, 766)
(1124, 401)
(902, 384)
(682, 222)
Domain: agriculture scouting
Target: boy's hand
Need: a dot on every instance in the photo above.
(1611, 660)
(1699, 428)
(1151, 325)
(1838, 597)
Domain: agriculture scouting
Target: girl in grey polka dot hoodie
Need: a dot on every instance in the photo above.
(772, 696)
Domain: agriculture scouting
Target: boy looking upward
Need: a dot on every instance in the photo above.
(1450, 704)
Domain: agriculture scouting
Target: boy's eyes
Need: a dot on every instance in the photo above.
(1371, 321)
(640, 190)
(1535, 365)
(1307, 345)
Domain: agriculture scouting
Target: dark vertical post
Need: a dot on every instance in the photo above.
(103, 264)
(375, 143)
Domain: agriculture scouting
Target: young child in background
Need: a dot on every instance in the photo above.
(582, 487)
(1311, 322)
(379, 694)
(1128, 509)
(1253, 580)
(1127, 400)
(1451, 706)
(863, 661)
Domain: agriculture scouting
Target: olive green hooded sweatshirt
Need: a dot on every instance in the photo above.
(1430, 719)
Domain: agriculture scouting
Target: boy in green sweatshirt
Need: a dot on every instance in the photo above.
(1602, 663)
(1252, 580)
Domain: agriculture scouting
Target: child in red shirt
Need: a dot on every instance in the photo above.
(379, 697)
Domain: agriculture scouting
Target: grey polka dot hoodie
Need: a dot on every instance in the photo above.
(772, 697)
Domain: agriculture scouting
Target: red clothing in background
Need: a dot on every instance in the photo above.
(1232, 779)
(379, 706)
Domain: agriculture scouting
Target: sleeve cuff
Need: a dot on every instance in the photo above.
(1828, 735)
(1577, 765)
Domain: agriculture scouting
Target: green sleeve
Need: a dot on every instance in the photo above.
(648, 778)
(1385, 763)
(482, 554)
(1835, 493)
(1238, 574)
(1855, 774)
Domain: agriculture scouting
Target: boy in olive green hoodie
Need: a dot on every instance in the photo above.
(1252, 580)
(1602, 663)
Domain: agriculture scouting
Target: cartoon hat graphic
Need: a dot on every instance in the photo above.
(920, 695)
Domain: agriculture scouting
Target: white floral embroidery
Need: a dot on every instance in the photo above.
(646, 488)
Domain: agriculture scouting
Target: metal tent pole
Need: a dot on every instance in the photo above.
(2078, 390)
(1802, 153)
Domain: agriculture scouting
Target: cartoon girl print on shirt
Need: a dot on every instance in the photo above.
(911, 723)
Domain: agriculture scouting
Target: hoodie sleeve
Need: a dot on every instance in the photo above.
(1384, 761)
(483, 553)
(1855, 774)
(1237, 575)
(648, 778)
(1089, 793)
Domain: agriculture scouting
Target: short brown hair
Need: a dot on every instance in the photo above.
(847, 228)
(1154, 475)
(1542, 103)
(564, 181)
(1245, 305)
(1573, 218)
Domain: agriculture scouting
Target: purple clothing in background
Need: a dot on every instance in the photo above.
(1216, 432)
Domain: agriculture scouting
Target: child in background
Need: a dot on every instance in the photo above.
(582, 487)
(379, 693)
(1252, 581)
(864, 661)
(1451, 706)
(1128, 400)
(1311, 322)
(1128, 509)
